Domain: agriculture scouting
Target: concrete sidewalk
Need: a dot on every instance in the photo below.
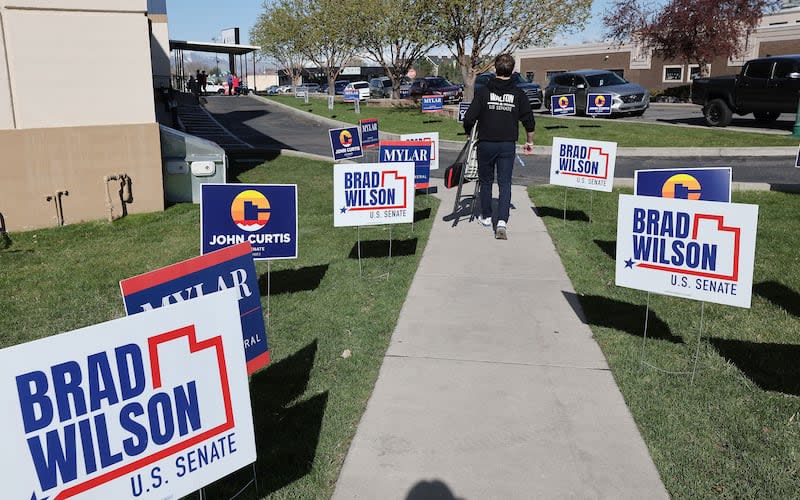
(492, 386)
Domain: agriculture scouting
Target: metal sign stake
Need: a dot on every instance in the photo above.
(358, 238)
(565, 205)
(591, 205)
(269, 270)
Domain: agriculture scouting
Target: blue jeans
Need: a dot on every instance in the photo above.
(500, 156)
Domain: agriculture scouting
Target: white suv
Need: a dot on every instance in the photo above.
(362, 87)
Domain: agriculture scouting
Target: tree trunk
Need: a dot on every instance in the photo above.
(468, 73)
(331, 84)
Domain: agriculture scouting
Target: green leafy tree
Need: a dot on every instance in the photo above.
(278, 31)
(391, 37)
(475, 31)
(329, 39)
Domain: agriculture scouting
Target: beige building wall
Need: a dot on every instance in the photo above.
(76, 104)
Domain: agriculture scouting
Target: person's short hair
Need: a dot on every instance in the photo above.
(503, 65)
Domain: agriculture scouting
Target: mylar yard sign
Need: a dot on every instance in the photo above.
(370, 137)
(707, 184)
(427, 136)
(583, 164)
(150, 406)
(598, 104)
(432, 103)
(562, 105)
(346, 143)
(230, 267)
(373, 193)
(699, 250)
(417, 151)
(263, 214)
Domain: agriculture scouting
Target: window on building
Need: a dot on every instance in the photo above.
(758, 69)
(694, 71)
(673, 74)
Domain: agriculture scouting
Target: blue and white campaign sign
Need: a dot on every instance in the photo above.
(797, 159)
(263, 214)
(300, 92)
(598, 104)
(583, 164)
(699, 250)
(150, 406)
(418, 152)
(707, 184)
(346, 143)
(370, 137)
(432, 103)
(427, 136)
(351, 95)
(373, 193)
(231, 267)
(562, 105)
(462, 110)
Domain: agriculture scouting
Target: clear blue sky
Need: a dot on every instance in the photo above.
(200, 20)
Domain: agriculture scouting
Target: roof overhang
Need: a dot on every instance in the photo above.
(217, 48)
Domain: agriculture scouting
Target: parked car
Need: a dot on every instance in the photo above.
(380, 87)
(284, 89)
(627, 97)
(435, 85)
(338, 86)
(766, 87)
(272, 90)
(531, 89)
(215, 88)
(362, 87)
(311, 87)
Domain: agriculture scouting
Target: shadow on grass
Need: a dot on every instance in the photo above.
(552, 127)
(588, 126)
(380, 248)
(629, 318)
(293, 280)
(428, 190)
(608, 247)
(286, 432)
(772, 367)
(780, 295)
(558, 213)
(422, 214)
(785, 188)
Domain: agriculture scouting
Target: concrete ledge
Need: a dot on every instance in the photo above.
(626, 182)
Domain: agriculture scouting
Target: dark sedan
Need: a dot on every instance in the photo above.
(435, 85)
(626, 97)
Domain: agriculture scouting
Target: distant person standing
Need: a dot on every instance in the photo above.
(230, 83)
(498, 108)
(203, 81)
(236, 82)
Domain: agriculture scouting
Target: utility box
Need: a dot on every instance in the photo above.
(187, 162)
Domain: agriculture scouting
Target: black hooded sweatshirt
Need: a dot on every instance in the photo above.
(498, 108)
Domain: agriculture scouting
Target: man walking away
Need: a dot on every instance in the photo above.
(498, 108)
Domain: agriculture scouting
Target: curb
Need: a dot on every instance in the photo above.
(545, 150)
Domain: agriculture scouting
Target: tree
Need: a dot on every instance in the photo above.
(693, 31)
(391, 36)
(278, 31)
(328, 35)
(477, 30)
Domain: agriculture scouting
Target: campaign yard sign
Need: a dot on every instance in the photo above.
(346, 143)
(263, 214)
(427, 136)
(462, 110)
(150, 406)
(797, 159)
(706, 184)
(418, 152)
(370, 137)
(562, 105)
(583, 164)
(699, 250)
(351, 95)
(373, 193)
(599, 104)
(231, 267)
(432, 103)
(300, 92)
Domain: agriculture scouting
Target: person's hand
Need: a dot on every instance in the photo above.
(527, 148)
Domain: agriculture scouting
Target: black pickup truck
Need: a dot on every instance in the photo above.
(766, 87)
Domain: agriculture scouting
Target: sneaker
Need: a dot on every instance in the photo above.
(500, 232)
(485, 221)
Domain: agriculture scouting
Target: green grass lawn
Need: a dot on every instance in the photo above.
(307, 403)
(735, 433)
(625, 134)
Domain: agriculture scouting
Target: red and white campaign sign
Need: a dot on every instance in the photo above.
(150, 406)
(373, 193)
(701, 250)
(583, 164)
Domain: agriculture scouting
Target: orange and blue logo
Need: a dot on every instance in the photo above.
(346, 138)
(250, 210)
(600, 101)
(706, 184)
(563, 101)
(682, 186)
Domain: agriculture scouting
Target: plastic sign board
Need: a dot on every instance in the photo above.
(417, 152)
(231, 267)
(150, 406)
(797, 159)
(432, 103)
(351, 95)
(373, 193)
(300, 92)
(263, 214)
(562, 105)
(346, 143)
(583, 164)
(706, 184)
(370, 137)
(699, 250)
(462, 110)
(599, 104)
(427, 136)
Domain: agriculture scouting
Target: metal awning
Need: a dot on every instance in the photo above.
(234, 51)
(218, 48)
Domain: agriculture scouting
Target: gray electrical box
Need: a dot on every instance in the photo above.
(187, 162)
